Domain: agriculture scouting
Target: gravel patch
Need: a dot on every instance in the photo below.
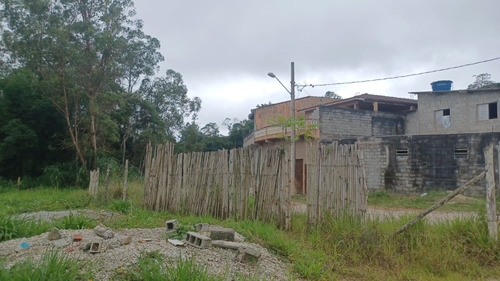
(218, 261)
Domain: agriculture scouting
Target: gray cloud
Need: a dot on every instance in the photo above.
(226, 48)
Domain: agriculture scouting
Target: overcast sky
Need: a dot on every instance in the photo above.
(224, 49)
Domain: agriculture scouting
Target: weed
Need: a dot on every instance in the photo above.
(120, 206)
(12, 228)
(153, 266)
(180, 232)
(75, 222)
(51, 267)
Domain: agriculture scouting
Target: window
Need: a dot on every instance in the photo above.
(487, 111)
(461, 152)
(442, 118)
(402, 152)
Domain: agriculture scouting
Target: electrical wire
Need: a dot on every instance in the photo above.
(398, 76)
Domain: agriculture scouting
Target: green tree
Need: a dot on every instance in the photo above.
(31, 132)
(191, 138)
(333, 95)
(302, 129)
(169, 96)
(483, 80)
(80, 49)
(238, 130)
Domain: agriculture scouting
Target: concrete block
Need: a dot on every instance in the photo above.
(202, 227)
(198, 240)
(247, 254)
(171, 225)
(222, 234)
(227, 244)
(96, 247)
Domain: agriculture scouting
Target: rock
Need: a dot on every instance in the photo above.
(221, 233)
(115, 244)
(103, 232)
(126, 240)
(175, 242)
(60, 243)
(54, 234)
(247, 254)
(85, 247)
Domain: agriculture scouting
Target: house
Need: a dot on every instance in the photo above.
(360, 116)
(442, 147)
(409, 146)
(455, 112)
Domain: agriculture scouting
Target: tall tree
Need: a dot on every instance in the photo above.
(483, 80)
(80, 49)
(31, 132)
(169, 95)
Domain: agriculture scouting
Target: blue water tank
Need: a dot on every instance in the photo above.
(441, 85)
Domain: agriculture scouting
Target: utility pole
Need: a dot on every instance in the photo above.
(292, 144)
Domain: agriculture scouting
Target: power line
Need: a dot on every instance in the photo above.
(398, 76)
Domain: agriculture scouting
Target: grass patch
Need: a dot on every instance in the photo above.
(152, 266)
(460, 203)
(51, 267)
(345, 248)
(42, 199)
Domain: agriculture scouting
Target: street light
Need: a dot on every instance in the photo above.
(292, 137)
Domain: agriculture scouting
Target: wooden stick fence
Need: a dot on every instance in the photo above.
(252, 183)
(335, 181)
(244, 183)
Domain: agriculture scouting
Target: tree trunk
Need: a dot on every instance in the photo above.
(93, 134)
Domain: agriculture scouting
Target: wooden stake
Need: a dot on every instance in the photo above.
(125, 176)
(106, 184)
(491, 205)
(441, 202)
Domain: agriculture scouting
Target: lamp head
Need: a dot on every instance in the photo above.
(270, 74)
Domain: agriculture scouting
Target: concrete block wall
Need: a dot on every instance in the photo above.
(347, 123)
(431, 162)
(463, 106)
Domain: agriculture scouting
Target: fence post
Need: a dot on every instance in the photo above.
(491, 206)
(125, 175)
(106, 184)
(94, 182)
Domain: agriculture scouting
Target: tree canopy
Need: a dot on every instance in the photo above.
(80, 83)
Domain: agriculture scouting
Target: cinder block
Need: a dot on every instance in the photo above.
(96, 247)
(171, 225)
(202, 227)
(198, 240)
(226, 234)
(247, 254)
